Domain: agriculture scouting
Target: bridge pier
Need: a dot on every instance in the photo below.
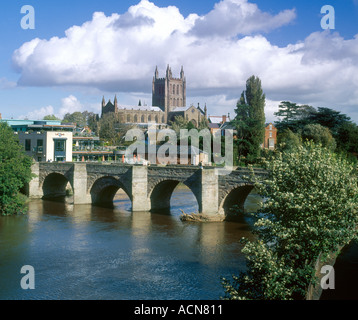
(79, 183)
(35, 192)
(209, 192)
(140, 201)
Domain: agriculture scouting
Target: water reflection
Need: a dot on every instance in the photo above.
(87, 252)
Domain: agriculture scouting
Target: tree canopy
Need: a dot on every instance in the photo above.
(15, 172)
(310, 211)
(250, 119)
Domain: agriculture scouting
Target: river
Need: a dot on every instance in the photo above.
(82, 252)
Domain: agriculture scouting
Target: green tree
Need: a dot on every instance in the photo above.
(287, 140)
(319, 135)
(77, 117)
(50, 117)
(250, 119)
(15, 172)
(107, 129)
(292, 116)
(180, 123)
(347, 138)
(310, 211)
(329, 118)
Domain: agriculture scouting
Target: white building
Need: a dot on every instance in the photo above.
(47, 145)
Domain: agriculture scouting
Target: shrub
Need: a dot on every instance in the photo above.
(311, 209)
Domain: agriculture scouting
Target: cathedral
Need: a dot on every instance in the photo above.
(168, 101)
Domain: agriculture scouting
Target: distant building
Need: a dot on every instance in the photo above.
(220, 123)
(270, 140)
(168, 101)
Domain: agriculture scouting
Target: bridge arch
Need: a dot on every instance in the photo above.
(235, 196)
(104, 190)
(162, 192)
(55, 185)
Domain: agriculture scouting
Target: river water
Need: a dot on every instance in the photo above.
(84, 252)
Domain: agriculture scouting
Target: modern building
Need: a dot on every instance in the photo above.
(89, 148)
(45, 140)
(168, 101)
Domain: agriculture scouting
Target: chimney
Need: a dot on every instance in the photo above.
(224, 119)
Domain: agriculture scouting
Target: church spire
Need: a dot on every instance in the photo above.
(103, 102)
(182, 73)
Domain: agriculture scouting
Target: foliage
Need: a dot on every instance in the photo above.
(111, 130)
(77, 117)
(311, 210)
(180, 123)
(15, 172)
(347, 138)
(294, 117)
(287, 140)
(50, 117)
(107, 129)
(250, 120)
(319, 135)
(329, 118)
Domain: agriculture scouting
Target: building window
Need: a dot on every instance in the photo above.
(135, 119)
(177, 89)
(40, 144)
(60, 145)
(27, 145)
(142, 119)
(270, 134)
(128, 118)
(271, 143)
(149, 118)
(270, 126)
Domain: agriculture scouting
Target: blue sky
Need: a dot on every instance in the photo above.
(58, 68)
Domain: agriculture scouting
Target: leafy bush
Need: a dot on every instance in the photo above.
(311, 210)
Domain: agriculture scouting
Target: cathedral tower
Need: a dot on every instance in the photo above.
(169, 93)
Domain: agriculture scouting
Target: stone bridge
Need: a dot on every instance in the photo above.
(149, 188)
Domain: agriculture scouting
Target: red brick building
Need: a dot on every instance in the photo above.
(270, 137)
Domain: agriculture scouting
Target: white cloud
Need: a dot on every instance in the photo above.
(118, 53)
(39, 114)
(69, 104)
(233, 17)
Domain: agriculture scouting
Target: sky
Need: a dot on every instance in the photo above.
(80, 51)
